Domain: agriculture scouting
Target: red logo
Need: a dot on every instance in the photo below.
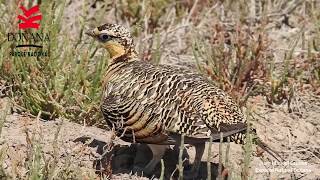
(29, 18)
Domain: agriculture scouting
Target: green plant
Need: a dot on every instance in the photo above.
(67, 84)
(234, 61)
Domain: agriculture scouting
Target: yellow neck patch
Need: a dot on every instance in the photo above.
(115, 49)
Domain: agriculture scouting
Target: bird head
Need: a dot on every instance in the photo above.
(115, 38)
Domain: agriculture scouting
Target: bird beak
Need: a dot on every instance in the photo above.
(90, 33)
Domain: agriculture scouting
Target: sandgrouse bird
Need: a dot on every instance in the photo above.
(156, 104)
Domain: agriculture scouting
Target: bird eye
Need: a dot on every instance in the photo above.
(104, 37)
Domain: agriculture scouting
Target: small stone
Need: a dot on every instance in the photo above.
(279, 137)
(310, 128)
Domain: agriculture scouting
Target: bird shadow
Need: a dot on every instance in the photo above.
(124, 159)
